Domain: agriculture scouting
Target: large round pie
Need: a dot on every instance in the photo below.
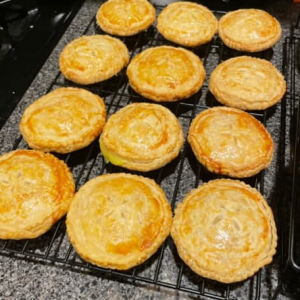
(247, 83)
(94, 58)
(166, 73)
(224, 230)
(141, 137)
(186, 23)
(249, 30)
(125, 17)
(231, 142)
(36, 190)
(118, 220)
(64, 120)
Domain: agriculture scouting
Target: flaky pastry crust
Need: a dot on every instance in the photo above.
(141, 137)
(247, 83)
(166, 73)
(125, 17)
(231, 142)
(187, 23)
(91, 59)
(225, 230)
(249, 30)
(118, 220)
(36, 190)
(64, 120)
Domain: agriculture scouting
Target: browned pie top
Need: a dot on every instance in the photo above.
(94, 58)
(225, 230)
(249, 30)
(231, 142)
(187, 23)
(166, 73)
(125, 17)
(36, 190)
(64, 120)
(141, 136)
(247, 83)
(118, 220)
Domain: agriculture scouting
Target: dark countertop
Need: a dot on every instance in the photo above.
(25, 279)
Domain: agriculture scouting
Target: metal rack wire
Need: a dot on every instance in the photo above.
(165, 268)
(290, 284)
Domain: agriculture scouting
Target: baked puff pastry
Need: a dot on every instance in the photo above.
(36, 190)
(64, 120)
(141, 137)
(186, 23)
(166, 73)
(247, 83)
(125, 17)
(119, 220)
(91, 59)
(231, 142)
(225, 230)
(249, 30)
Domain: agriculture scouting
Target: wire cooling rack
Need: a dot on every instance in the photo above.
(290, 284)
(164, 268)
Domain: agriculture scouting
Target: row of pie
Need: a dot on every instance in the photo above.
(168, 74)
(223, 230)
(147, 136)
(191, 24)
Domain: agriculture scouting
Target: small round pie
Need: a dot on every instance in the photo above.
(64, 120)
(141, 137)
(94, 58)
(231, 142)
(118, 220)
(225, 230)
(125, 17)
(186, 23)
(249, 30)
(166, 73)
(247, 83)
(36, 190)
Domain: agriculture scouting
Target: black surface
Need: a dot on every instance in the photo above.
(33, 38)
(233, 4)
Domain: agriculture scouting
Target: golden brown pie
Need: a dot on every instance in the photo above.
(247, 83)
(118, 220)
(166, 73)
(64, 120)
(142, 137)
(94, 58)
(231, 142)
(249, 30)
(225, 230)
(125, 17)
(36, 190)
(187, 23)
